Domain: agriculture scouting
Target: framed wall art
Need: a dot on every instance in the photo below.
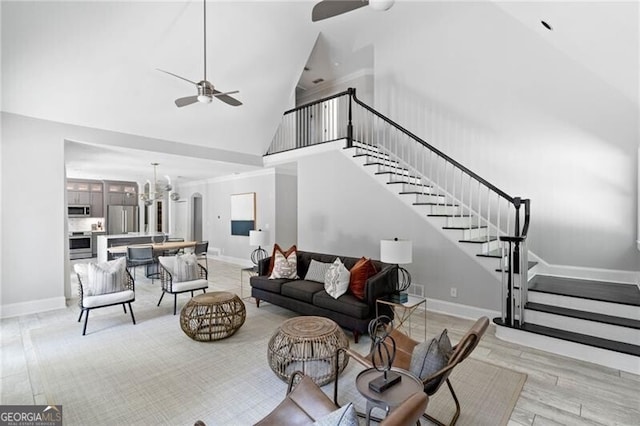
(243, 213)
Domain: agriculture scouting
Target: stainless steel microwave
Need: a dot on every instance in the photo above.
(79, 211)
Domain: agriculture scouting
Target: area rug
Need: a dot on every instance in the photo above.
(152, 373)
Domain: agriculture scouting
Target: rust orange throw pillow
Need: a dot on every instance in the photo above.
(360, 273)
(276, 248)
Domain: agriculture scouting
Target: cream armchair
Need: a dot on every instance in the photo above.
(174, 281)
(94, 294)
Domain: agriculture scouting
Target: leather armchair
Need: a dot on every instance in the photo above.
(404, 351)
(306, 403)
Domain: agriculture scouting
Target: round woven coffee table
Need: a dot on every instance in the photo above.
(308, 344)
(212, 316)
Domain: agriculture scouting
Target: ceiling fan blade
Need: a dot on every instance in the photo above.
(226, 93)
(176, 75)
(188, 100)
(330, 8)
(224, 97)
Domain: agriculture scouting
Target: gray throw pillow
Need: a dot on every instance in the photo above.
(429, 357)
(317, 271)
(344, 416)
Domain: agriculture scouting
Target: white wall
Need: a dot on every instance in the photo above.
(527, 117)
(33, 216)
(343, 211)
(276, 199)
(286, 210)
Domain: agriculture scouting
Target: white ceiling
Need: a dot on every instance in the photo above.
(94, 64)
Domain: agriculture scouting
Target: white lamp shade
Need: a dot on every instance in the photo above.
(257, 238)
(396, 251)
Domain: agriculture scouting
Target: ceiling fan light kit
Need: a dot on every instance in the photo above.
(381, 5)
(206, 91)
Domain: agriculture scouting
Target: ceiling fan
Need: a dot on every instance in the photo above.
(330, 8)
(206, 91)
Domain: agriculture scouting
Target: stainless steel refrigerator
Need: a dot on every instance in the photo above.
(122, 219)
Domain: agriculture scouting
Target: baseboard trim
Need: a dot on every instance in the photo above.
(234, 260)
(459, 310)
(32, 307)
(611, 359)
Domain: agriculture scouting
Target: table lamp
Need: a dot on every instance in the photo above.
(398, 252)
(258, 238)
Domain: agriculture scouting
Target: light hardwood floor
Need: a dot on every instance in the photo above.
(558, 390)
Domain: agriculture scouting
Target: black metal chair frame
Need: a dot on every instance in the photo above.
(167, 283)
(202, 254)
(173, 252)
(133, 262)
(129, 285)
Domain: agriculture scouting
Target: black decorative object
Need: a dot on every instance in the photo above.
(258, 238)
(383, 355)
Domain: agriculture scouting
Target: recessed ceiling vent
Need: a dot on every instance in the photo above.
(318, 80)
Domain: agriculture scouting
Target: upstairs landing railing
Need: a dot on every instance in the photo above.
(484, 212)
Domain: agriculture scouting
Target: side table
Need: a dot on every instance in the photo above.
(403, 311)
(390, 398)
(212, 316)
(308, 344)
(252, 271)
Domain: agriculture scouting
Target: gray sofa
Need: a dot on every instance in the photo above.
(310, 298)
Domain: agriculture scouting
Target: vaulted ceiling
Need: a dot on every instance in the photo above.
(94, 64)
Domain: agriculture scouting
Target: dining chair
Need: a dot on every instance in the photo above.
(173, 252)
(200, 250)
(142, 256)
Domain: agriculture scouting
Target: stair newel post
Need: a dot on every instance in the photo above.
(524, 278)
(352, 92)
(503, 281)
(517, 202)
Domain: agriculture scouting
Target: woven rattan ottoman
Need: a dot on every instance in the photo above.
(212, 316)
(308, 344)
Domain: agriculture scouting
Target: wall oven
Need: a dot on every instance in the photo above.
(80, 245)
(79, 211)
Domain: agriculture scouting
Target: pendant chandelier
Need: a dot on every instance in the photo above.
(156, 190)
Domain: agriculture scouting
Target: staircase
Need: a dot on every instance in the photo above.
(593, 321)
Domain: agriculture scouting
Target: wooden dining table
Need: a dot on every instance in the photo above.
(157, 247)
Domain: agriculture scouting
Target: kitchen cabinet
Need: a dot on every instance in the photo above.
(78, 197)
(97, 204)
(86, 192)
(122, 193)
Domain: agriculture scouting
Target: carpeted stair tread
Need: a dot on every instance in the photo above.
(589, 316)
(627, 294)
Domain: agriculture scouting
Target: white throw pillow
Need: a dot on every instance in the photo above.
(343, 416)
(336, 280)
(285, 267)
(185, 268)
(317, 271)
(106, 277)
